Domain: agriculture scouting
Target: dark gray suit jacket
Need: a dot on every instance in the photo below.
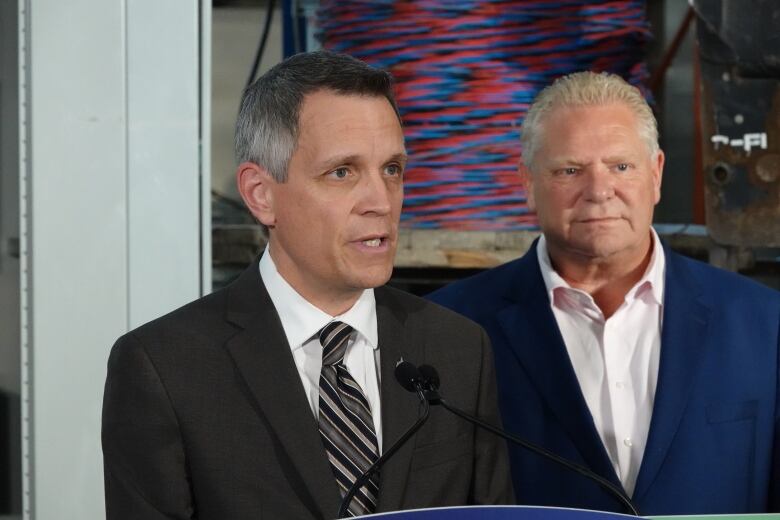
(204, 415)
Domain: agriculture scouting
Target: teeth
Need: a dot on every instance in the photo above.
(374, 242)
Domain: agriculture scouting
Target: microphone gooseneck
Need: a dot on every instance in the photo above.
(409, 377)
(430, 385)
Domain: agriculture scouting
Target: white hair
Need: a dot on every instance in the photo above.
(586, 89)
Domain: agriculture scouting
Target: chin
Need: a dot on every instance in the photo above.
(372, 277)
(598, 248)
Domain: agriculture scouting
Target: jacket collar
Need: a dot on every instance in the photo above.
(264, 361)
(684, 343)
(535, 340)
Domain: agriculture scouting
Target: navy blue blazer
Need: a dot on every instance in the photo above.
(714, 439)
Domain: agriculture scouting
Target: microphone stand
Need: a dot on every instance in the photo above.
(431, 393)
(363, 479)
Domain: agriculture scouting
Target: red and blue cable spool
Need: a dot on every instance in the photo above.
(466, 73)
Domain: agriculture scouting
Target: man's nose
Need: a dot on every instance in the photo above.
(600, 185)
(376, 194)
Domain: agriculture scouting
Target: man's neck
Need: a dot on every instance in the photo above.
(607, 280)
(328, 300)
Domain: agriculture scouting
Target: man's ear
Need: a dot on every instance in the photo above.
(658, 173)
(256, 186)
(527, 181)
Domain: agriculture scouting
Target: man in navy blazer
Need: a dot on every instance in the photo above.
(655, 371)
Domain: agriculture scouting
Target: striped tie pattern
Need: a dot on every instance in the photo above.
(346, 427)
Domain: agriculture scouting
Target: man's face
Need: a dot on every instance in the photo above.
(594, 184)
(334, 223)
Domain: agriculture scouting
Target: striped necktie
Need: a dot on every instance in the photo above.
(346, 427)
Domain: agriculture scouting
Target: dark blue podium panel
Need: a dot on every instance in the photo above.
(499, 513)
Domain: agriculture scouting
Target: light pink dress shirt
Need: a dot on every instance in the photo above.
(616, 359)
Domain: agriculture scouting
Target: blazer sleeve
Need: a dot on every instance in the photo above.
(143, 453)
(492, 483)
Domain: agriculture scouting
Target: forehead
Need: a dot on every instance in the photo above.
(336, 129)
(590, 126)
(324, 108)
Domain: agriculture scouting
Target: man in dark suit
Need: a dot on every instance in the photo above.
(655, 371)
(267, 399)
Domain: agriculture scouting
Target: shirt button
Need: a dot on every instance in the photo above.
(627, 442)
(620, 384)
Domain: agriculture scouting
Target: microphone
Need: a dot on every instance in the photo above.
(430, 383)
(410, 378)
(430, 386)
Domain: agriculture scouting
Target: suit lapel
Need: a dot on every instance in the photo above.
(399, 407)
(685, 323)
(536, 341)
(263, 359)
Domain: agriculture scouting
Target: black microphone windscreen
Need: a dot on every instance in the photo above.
(408, 375)
(429, 376)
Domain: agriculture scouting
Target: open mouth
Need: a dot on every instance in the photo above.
(373, 243)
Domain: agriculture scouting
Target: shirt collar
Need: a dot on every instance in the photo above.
(656, 271)
(653, 277)
(301, 320)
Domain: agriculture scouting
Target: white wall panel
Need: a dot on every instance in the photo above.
(111, 168)
(163, 157)
(78, 243)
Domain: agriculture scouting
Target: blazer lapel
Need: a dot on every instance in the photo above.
(399, 407)
(263, 359)
(536, 341)
(683, 339)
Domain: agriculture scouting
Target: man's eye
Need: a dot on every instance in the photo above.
(394, 169)
(622, 167)
(339, 173)
(569, 171)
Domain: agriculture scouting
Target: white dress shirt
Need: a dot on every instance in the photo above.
(302, 321)
(615, 360)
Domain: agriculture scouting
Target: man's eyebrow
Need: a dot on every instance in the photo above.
(623, 157)
(565, 161)
(336, 160)
(401, 157)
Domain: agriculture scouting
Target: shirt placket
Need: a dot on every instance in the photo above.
(618, 354)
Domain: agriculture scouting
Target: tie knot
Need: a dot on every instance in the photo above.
(334, 339)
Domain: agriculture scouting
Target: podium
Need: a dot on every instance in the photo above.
(499, 513)
(539, 513)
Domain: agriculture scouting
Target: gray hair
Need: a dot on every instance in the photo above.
(583, 89)
(267, 128)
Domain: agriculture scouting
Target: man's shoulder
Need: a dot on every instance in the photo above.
(194, 323)
(415, 307)
(485, 291)
(425, 318)
(723, 286)
(436, 335)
